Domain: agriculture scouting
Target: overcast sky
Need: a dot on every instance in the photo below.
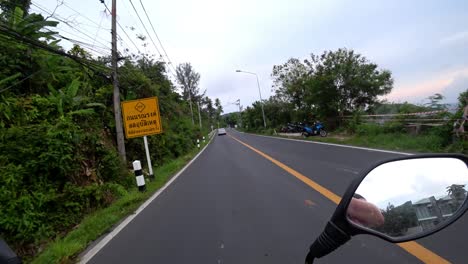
(423, 43)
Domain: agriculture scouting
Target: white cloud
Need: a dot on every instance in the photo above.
(457, 38)
(419, 89)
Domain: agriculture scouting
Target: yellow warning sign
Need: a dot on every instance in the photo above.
(141, 117)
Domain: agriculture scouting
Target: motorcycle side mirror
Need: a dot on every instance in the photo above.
(399, 200)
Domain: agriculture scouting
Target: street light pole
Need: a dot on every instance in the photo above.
(260, 93)
(261, 101)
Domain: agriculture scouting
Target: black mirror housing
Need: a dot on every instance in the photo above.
(340, 219)
(340, 229)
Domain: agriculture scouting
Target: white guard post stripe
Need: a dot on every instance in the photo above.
(94, 250)
(140, 180)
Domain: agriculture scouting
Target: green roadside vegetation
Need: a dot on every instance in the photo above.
(59, 164)
(395, 142)
(66, 249)
(345, 91)
(391, 136)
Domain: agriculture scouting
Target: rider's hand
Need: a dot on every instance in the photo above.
(364, 213)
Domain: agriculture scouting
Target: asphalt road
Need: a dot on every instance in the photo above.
(234, 206)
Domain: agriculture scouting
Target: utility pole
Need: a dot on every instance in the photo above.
(115, 81)
(199, 115)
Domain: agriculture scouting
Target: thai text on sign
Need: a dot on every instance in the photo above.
(141, 117)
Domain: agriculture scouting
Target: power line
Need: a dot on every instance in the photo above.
(125, 32)
(57, 17)
(66, 23)
(128, 37)
(81, 43)
(146, 30)
(99, 29)
(85, 45)
(127, 8)
(149, 35)
(99, 26)
(74, 10)
(157, 37)
(88, 44)
(9, 32)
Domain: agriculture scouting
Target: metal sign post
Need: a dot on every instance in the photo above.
(148, 158)
(142, 118)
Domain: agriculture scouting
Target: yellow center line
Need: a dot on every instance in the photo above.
(414, 248)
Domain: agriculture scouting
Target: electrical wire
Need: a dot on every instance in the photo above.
(149, 35)
(157, 37)
(99, 26)
(88, 64)
(92, 46)
(67, 23)
(84, 45)
(121, 28)
(81, 43)
(74, 10)
(99, 29)
(98, 50)
(60, 19)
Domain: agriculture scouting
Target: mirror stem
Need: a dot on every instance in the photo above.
(330, 239)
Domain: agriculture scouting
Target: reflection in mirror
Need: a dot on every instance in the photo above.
(408, 197)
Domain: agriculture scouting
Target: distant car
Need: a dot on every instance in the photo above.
(221, 131)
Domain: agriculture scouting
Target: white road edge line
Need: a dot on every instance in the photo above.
(93, 251)
(336, 145)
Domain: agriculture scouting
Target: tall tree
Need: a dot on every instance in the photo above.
(189, 79)
(219, 108)
(289, 81)
(457, 192)
(208, 105)
(332, 84)
(435, 102)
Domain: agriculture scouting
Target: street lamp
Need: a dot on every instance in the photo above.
(259, 92)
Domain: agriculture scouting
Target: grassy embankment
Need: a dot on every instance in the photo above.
(66, 249)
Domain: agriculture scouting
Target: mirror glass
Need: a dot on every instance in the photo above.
(408, 197)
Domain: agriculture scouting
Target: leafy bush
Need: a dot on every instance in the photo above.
(393, 127)
(353, 124)
(443, 133)
(369, 129)
(59, 160)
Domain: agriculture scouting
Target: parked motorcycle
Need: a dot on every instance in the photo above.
(365, 204)
(316, 129)
(292, 128)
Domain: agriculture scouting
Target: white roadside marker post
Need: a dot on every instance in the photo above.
(148, 158)
(140, 179)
